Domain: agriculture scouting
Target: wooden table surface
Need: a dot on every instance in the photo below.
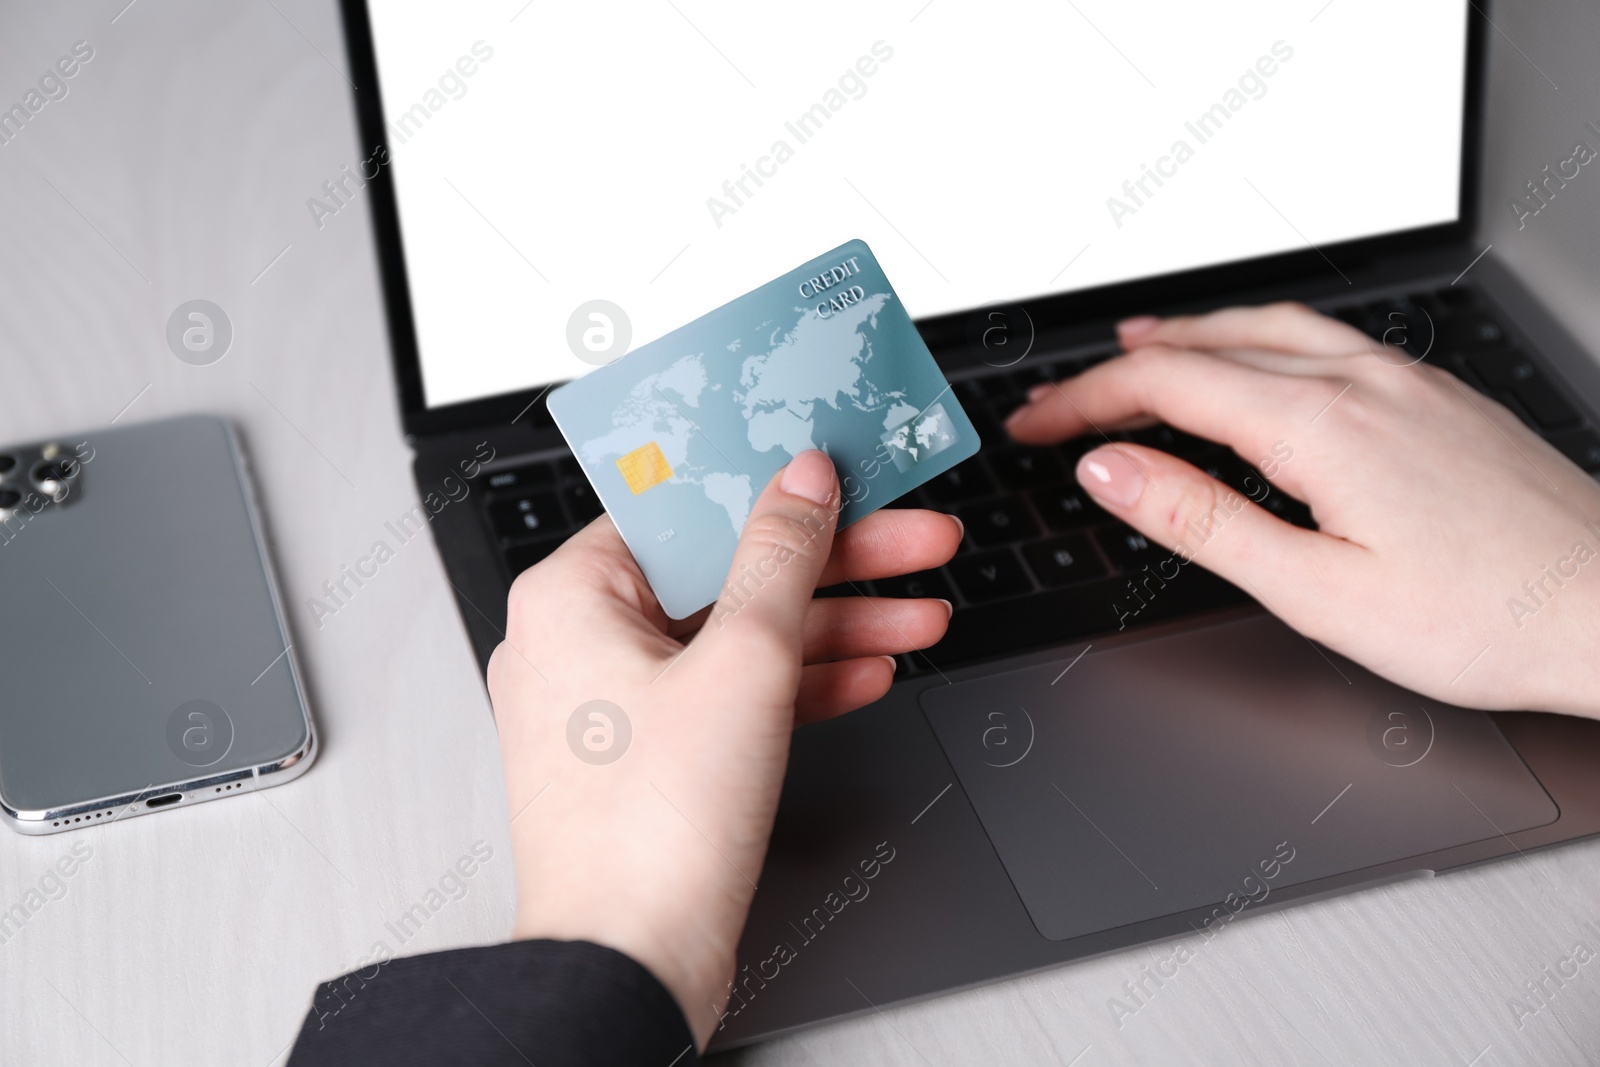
(177, 167)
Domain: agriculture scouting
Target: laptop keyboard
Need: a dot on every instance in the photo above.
(534, 507)
(1041, 564)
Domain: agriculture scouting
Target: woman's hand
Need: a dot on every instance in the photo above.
(641, 823)
(1457, 552)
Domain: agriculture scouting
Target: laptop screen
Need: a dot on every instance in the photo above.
(665, 156)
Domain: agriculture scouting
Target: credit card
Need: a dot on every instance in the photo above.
(681, 435)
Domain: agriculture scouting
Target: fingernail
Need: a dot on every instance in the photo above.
(810, 474)
(949, 608)
(1039, 391)
(1137, 326)
(961, 527)
(894, 664)
(1107, 475)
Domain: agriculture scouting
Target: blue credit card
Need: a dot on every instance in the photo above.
(680, 436)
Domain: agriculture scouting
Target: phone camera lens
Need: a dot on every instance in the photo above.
(54, 477)
(7, 465)
(9, 498)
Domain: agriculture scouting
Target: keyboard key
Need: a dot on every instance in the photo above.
(1235, 473)
(986, 389)
(1547, 406)
(520, 557)
(1457, 299)
(1467, 332)
(1025, 468)
(922, 584)
(1000, 411)
(1351, 316)
(1176, 442)
(998, 522)
(1071, 613)
(1036, 372)
(1061, 370)
(1500, 370)
(1064, 560)
(1066, 507)
(1456, 363)
(988, 426)
(526, 516)
(569, 470)
(531, 476)
(1580, 446)
(582, 502)
(1428, 303)
(1072, 450)
(990, 575)
(1401, 325)
(1128, 549)
(1513, 372)
(965, 481)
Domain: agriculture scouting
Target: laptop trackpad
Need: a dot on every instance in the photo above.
(1158, 777)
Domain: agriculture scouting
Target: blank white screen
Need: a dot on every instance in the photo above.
(979, 158)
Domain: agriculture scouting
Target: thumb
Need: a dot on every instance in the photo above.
(779, 560)
(1291, 571)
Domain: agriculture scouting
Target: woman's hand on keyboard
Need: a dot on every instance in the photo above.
(1457, 553)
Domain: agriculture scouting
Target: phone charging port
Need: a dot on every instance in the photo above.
(164, 800)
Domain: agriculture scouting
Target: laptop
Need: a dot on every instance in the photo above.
(1088, 761)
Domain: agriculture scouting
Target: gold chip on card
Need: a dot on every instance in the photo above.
(644, 467)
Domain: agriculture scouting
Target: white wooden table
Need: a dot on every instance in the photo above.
(177, 167)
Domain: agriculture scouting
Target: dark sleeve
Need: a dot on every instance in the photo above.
(550, 1003)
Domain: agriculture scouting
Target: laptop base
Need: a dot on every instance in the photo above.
(876, 792)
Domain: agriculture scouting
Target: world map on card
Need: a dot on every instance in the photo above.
(680, 436)
(780, 386)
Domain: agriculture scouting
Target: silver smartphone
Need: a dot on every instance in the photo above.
(145, 661)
